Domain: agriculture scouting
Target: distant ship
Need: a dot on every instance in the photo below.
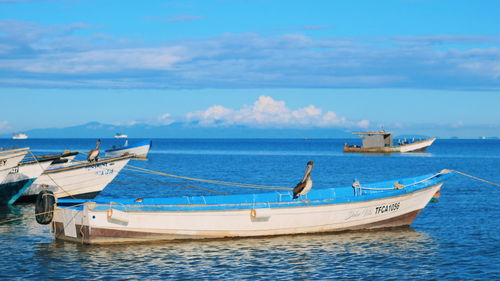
(120, 136)
(20, 136)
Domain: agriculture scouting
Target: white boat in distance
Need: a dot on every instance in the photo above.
(77, 180)
(120, 136)
(20, 136)
(139, 150)
(379, 205)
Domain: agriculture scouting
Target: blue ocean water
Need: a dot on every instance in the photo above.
(456, 238)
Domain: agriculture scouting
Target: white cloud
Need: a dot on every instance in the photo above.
(166, 119)
(4, 125)
(32, 54)
(268, 112)
(363, 124)
(100, 61)
(457, 124)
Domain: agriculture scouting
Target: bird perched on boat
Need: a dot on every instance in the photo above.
(303, 187)
(94, 153)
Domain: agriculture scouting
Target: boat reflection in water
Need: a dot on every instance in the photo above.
(323, 256)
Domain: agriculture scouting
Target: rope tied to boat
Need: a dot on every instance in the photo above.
(42, 213)
(49, 176)
(174, 184)
(476, 178)
(236, 184)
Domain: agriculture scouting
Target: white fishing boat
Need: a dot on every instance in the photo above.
(77, 180)
(20, 136)
(121, 136)
(385, 204)
(139, 150)
(9, 159)
(382, 142)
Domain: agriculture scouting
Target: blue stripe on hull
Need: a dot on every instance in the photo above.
(10, 192)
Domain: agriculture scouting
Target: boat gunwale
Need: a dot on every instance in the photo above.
(86, 164)
(14, 150)
(102, 204)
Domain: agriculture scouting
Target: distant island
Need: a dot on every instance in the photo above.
(181, 130)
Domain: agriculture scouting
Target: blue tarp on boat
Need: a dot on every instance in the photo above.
(279, 199)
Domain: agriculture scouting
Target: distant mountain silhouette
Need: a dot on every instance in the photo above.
(181, 130)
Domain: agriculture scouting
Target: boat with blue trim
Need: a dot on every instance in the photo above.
(386, 204)
(139, 149)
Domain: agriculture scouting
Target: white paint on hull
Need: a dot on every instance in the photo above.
(9, 159)
(416, 146)
(27, 171)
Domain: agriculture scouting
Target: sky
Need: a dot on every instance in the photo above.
(410, 66)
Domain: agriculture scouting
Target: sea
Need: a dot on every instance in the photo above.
(456, 238)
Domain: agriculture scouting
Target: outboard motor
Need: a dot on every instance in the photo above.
(44, 207)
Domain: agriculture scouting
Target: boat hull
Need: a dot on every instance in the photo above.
(418, 146)
(93, 225)
(77, 181)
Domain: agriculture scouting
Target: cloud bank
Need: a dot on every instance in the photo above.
(35, 55)
(269, 113)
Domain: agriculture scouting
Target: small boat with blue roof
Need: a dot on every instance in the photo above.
(361, 206)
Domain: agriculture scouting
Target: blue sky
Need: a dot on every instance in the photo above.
(428, 67)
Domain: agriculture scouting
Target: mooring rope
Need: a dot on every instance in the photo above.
(48, 175)
(42, 213)
(257, 186)
(476, 178)
(174, 184)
